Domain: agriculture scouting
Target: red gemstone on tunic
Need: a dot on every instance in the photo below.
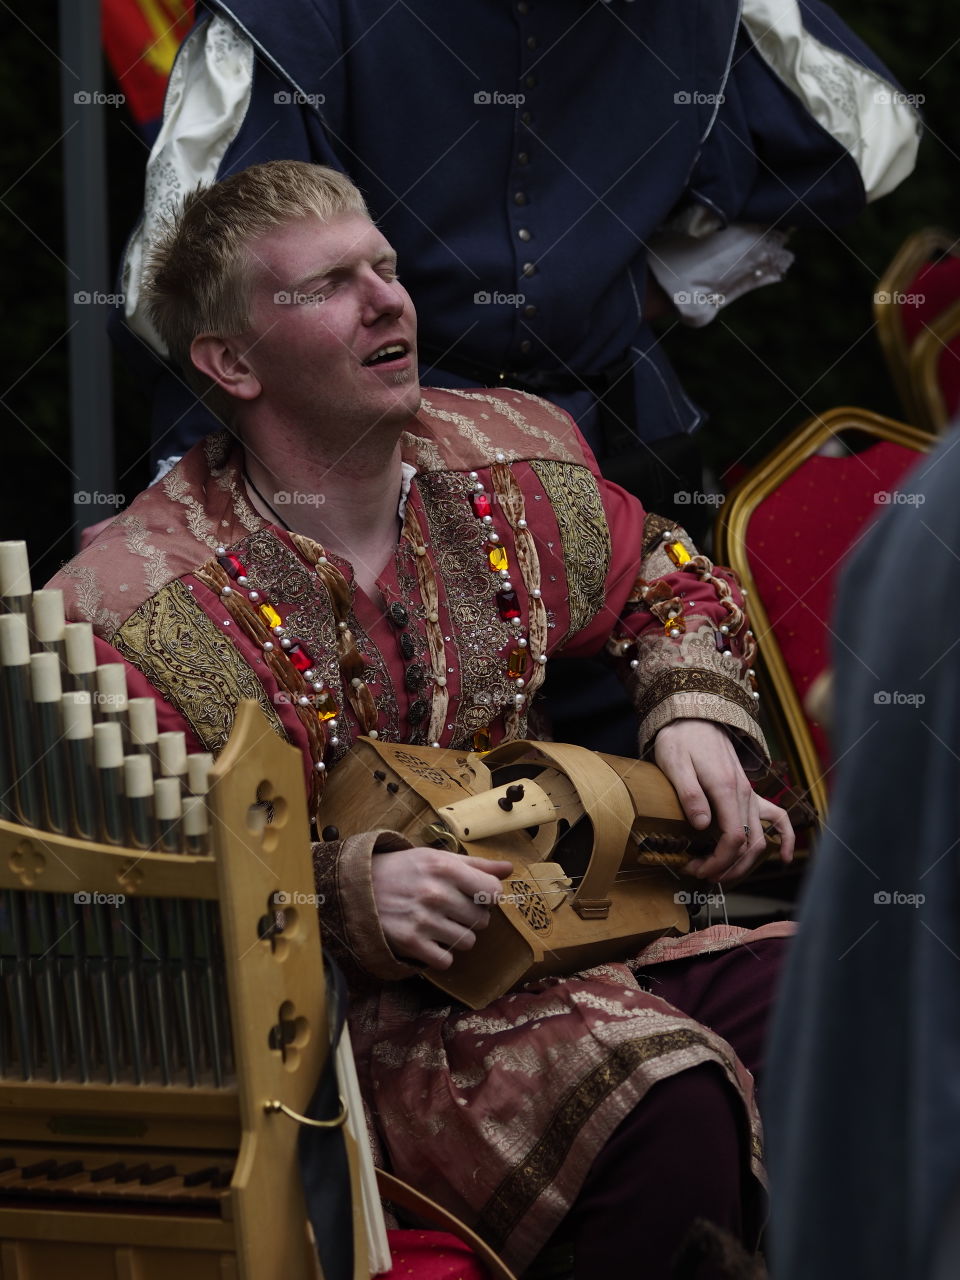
(299, 657)
(507, 605)
(481, 505)
(233, 565)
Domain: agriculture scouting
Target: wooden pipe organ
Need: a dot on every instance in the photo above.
(161, 978)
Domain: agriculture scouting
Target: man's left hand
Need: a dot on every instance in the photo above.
(701, 762)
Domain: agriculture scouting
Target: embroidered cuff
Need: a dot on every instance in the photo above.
(692, 680)
(348, 915)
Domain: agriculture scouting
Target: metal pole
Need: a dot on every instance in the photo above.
(89, 277)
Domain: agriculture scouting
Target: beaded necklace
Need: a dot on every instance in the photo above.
(293, 666)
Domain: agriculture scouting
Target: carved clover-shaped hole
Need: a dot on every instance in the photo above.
(27, 862)
(288, 1035)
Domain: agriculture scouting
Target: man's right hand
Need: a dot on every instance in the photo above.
(432, 902)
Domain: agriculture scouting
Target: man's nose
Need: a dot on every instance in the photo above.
(383, 298)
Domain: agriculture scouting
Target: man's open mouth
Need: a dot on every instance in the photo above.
(387, 354)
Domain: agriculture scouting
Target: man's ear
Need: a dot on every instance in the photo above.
(224, 362)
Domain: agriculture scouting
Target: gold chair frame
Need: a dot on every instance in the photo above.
(780, 698)
(915, 251)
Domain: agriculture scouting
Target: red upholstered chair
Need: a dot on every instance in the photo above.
(913, 296)
(935, 368)
(786, 530)
(432, 1255)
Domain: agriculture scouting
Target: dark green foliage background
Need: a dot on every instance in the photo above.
(775, 357)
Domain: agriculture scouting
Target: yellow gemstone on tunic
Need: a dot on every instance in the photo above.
(678, 553)
(270, 615)
(517, 663)
(325, 706)
(498, 559)
(481, 740)
(674, 625)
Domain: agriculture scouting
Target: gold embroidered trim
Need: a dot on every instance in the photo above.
(466, 426)
(686, 680)
(427, 582)
(191, 663)
(584, 535)
(521, 1187)
(517, 419)
(428, 456)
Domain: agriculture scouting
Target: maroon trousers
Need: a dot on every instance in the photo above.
(681, 1154)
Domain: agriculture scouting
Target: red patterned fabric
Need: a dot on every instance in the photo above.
(432, 1255)
(141, 39)
(797, 541)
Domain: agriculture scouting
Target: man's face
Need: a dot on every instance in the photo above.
(333, 332)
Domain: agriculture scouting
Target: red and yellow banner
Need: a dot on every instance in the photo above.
(141, 38)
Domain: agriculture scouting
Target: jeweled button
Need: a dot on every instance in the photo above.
(418, 711)
(270, 615)
(497, 558)
(406, 645)
(481, 504)
(299, 657)
(678, 553)
(481, 740)
(233, 565)
(517, 663)
(325, 706)
(413, 677)
(398, 614)
(508, 606)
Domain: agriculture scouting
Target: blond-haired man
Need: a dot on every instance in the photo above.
(363, 556)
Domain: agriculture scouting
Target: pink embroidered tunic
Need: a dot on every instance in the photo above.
(512, 550)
